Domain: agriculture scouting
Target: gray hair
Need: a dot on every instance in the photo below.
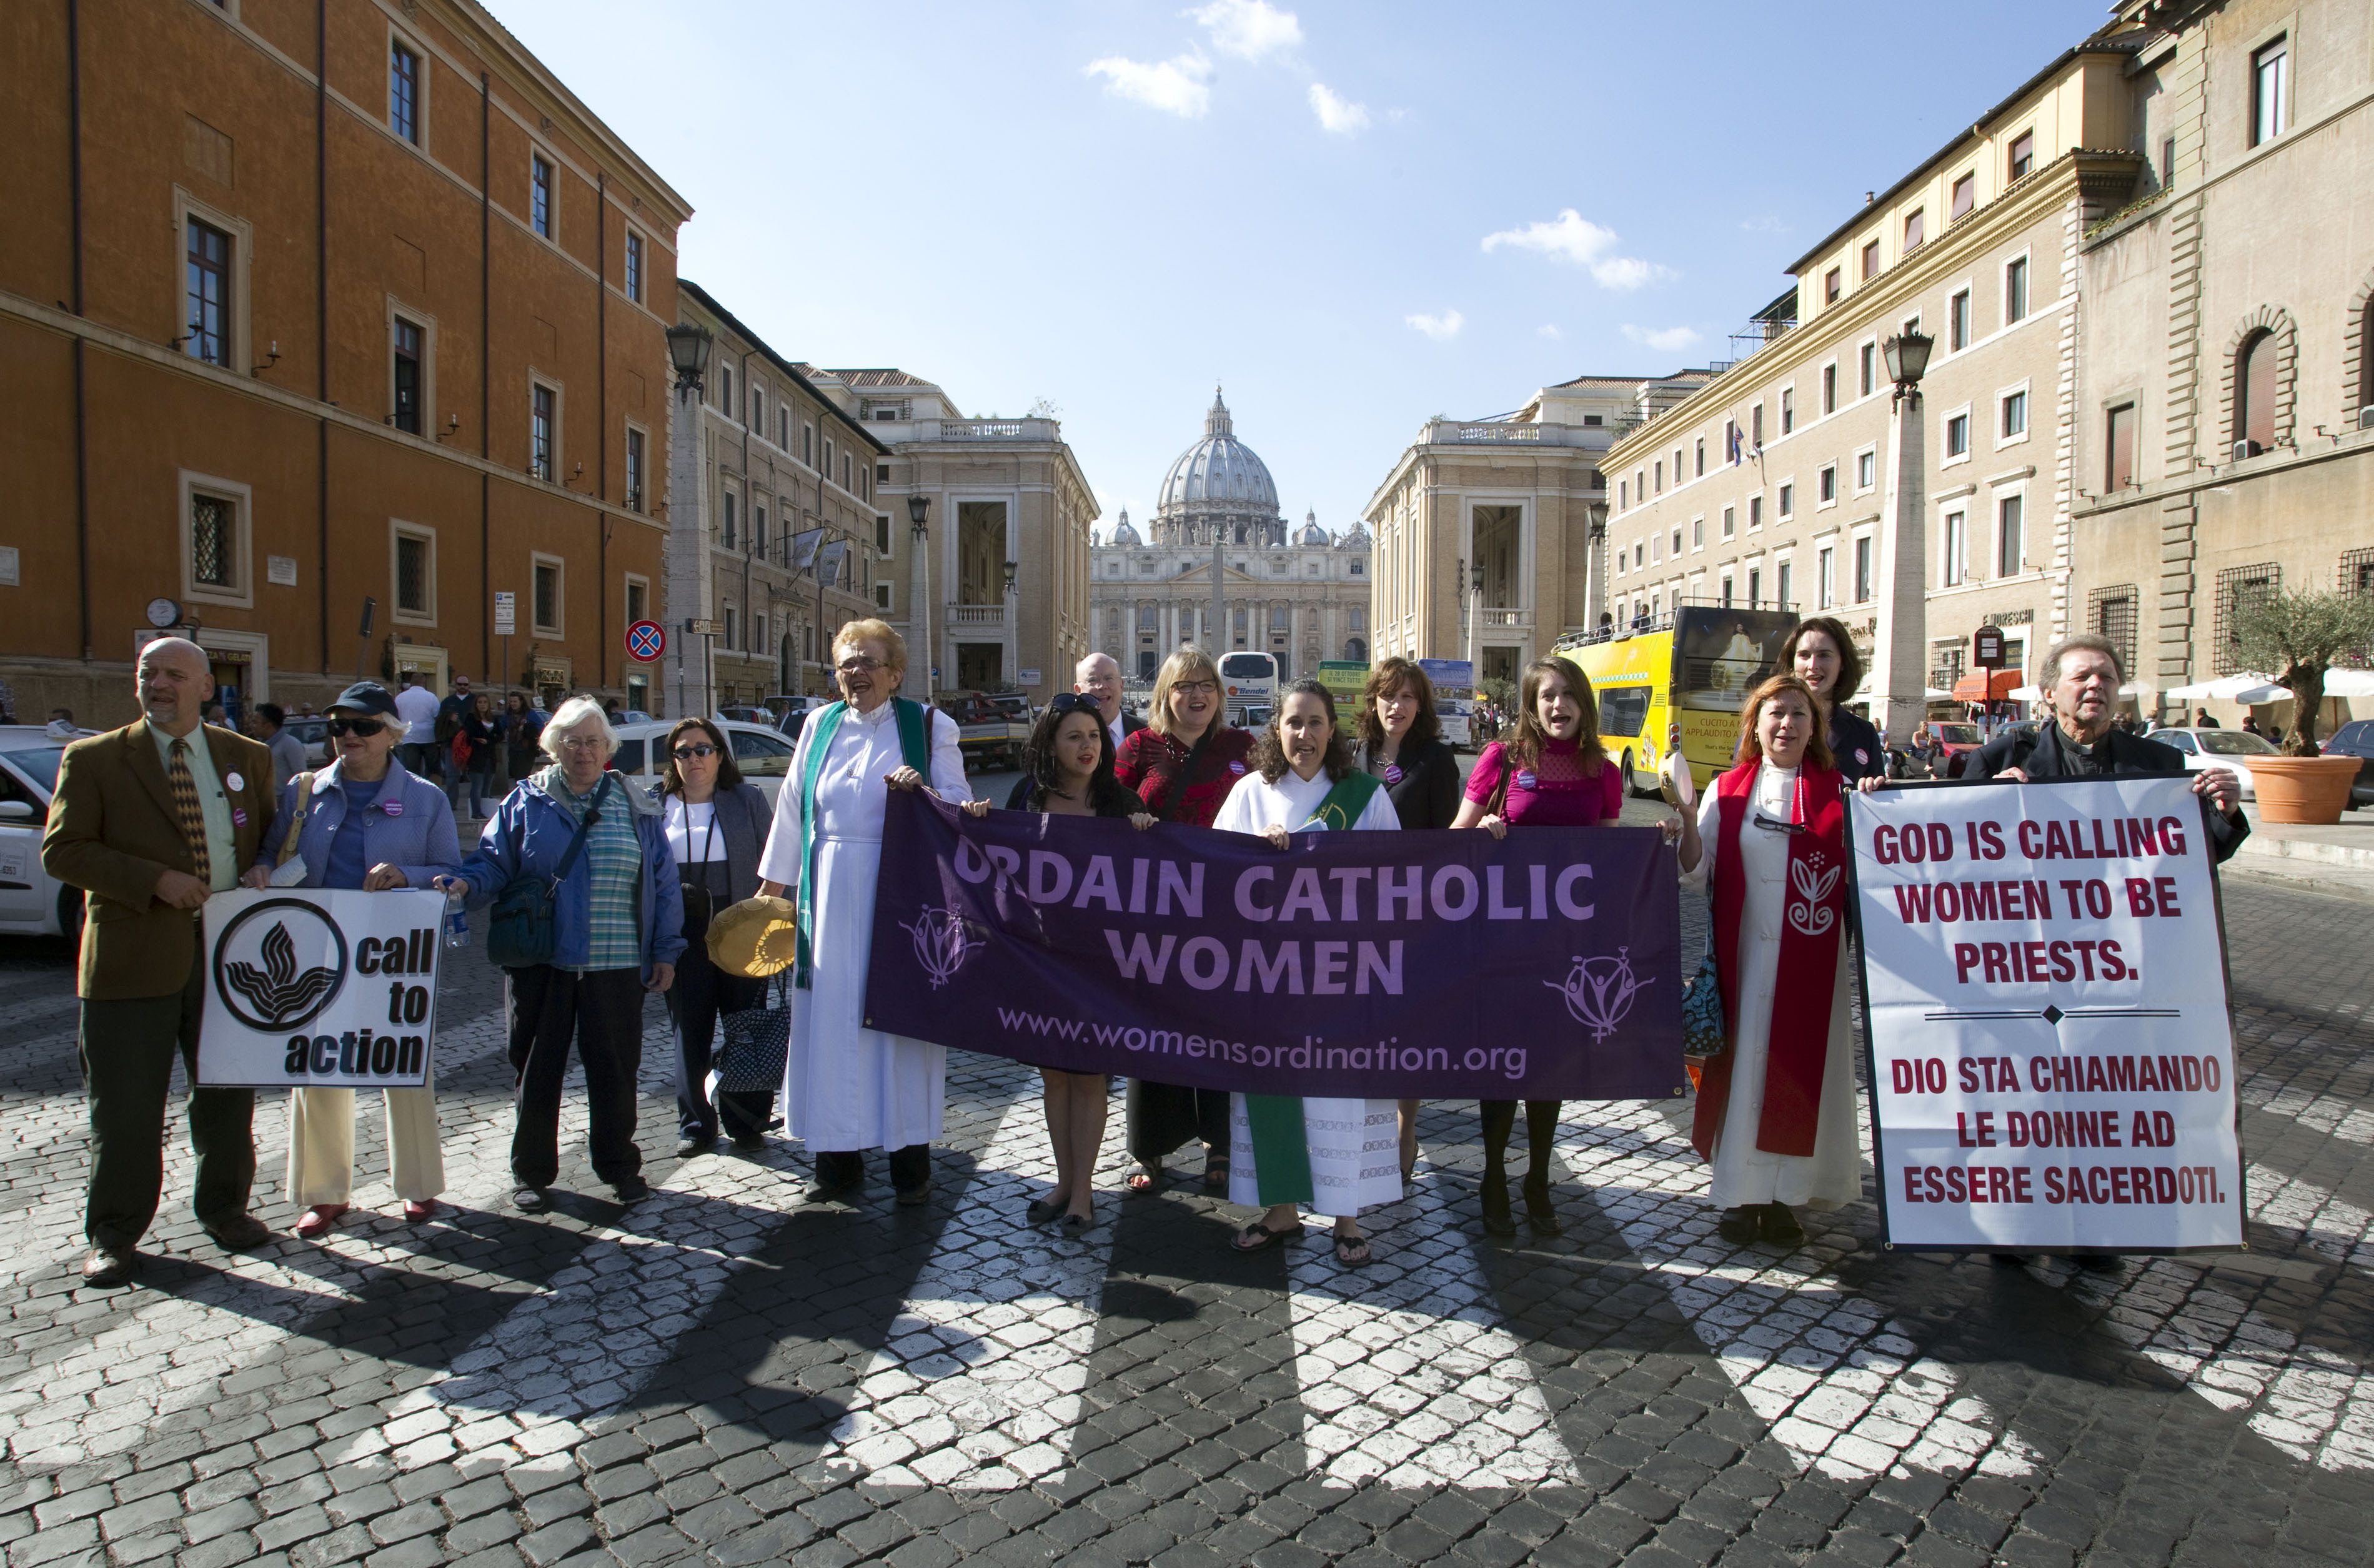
(2077, 642)
(577, 713)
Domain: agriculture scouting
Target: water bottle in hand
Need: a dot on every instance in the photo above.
(457, 921)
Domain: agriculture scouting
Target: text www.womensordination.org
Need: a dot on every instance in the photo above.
(1385, 1057)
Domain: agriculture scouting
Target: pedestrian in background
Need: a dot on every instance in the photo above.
(477, 747)
(852, 1088)
(1098, 676)
(1822, 654)
(520, 726)
(1182, 765)
(151, 821)
(1776, 1112)
(1286, 1151)
(417, 705)
(717, 825)
(453, 762)
(288, 757)
(1552, 773)
(619, 918)
(1067, 770)
(362, 822)
(1401, 743)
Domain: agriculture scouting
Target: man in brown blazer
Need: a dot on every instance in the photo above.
(150, 820)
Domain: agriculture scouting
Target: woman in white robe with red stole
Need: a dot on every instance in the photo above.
(1776, 1112)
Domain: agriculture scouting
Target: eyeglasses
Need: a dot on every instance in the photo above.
(1073, 702)
(1196, 688)
(858, 666)
(355, 726)
(586, 742)
(685, 753)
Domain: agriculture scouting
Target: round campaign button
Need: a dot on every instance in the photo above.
(1526, 780)
(1392, 772)
(1236, 767)
(391, 808)
(234, 783)
(1862, 755)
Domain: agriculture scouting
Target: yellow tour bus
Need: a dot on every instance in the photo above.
(1697, 664)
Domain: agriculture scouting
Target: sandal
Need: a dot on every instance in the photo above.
(1347, 1246)
(1216, 1171)
(1259, 1238)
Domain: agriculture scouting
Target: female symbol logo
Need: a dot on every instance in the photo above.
(941, 943)
(1809, 910)
(1599, 991)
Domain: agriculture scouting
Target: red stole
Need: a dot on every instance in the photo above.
(1813, 925)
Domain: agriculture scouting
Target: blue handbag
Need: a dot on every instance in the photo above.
(1704, 1032)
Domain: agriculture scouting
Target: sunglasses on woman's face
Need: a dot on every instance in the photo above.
(355, 726)
(685, 753)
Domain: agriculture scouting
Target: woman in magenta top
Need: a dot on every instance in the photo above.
(1553, 773)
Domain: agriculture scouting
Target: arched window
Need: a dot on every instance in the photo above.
(1356, 650)
(2254, 391)
(2366, 354)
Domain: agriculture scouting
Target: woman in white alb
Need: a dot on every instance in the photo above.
(1775, 1113)
(851, 1088)
(1301, 759)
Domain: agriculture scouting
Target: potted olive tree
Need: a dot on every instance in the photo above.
(2300, 636)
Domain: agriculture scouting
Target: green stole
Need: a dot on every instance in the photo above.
(913, 746)
(1281, 1148)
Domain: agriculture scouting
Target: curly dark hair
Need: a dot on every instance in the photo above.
(1269, 752)
(1390, 676)
(1849, 679)
(1107, 795)
(729, 778)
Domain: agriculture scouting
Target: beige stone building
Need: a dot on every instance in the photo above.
(1490, 533)
(1769, 485)
(1301, 593)
(774, 535)
(999, 591)
(2224, 443)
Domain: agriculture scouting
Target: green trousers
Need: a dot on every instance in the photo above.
(127, 1070)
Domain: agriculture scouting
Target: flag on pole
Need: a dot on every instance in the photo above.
(804, 548)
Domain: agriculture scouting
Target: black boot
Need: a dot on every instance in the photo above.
(910, 1174)
(835, 1173)
(1781, 1227)
(1499, 1118)
(1540, 1138)
(1739, 1226)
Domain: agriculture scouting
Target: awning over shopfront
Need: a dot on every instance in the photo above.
(1987, 685)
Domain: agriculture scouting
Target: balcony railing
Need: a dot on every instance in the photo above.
(978, 430)
(1500, 619)
(991, 616)
(1451, 432)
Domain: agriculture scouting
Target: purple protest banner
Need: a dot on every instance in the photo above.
(1373, 966)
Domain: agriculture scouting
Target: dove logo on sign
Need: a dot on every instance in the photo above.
(279, 964)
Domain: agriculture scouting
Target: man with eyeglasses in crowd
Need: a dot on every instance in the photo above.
(1098, 676)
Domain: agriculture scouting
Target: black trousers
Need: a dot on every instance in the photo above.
(701, 992)
(1158, 1117)
(127, 1069)
(602, 1011)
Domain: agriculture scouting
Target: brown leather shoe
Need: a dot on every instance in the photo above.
(108, 1266)
(239, 1232)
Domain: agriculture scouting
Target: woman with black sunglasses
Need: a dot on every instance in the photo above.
(362, 822)
(1067, 770)
(717, 825)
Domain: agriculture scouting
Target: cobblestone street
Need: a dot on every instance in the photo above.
(722, 1374)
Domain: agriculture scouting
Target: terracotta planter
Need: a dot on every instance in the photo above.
(2303, 789)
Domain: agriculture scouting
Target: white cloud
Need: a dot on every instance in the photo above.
(1442, 328)
(1176, 85)
(1764, 226)
(1248, 27)
(1549, 330)
(1665, 340)
(1335, 114)
(1574, 238)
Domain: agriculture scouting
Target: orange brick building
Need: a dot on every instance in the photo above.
(310, 302)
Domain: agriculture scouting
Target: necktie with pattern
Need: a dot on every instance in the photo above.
(192, 815)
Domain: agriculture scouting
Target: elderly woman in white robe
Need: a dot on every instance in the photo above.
(851, 1088)
(1304, 777)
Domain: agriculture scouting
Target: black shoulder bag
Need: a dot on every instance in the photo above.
(523, 929)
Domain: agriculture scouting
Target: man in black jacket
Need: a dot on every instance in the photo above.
(1099, 677)
(2081, 678)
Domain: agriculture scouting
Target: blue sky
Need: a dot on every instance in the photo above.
(1354, 216)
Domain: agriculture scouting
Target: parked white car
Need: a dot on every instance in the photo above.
(761, 752)
(32, 902)
(2228, 749)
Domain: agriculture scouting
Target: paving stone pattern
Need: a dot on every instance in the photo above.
(721, 1375)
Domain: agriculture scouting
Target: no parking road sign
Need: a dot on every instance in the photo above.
(646, 640)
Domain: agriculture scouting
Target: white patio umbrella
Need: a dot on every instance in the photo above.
(2349, 683)
(2225, 688)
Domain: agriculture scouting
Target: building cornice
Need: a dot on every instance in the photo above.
(2222, 476)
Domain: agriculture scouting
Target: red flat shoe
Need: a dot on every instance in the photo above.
(318, 1220)
(414, 1214)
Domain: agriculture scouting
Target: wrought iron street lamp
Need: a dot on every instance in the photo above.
(688, 352)
(919, 513)
(1899, 668)
(1908, 361)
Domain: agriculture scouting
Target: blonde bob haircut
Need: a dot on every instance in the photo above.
(1189, 663)
(894, 647)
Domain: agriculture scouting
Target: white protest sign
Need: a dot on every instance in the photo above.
(319, 987)
(2052, 1055)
